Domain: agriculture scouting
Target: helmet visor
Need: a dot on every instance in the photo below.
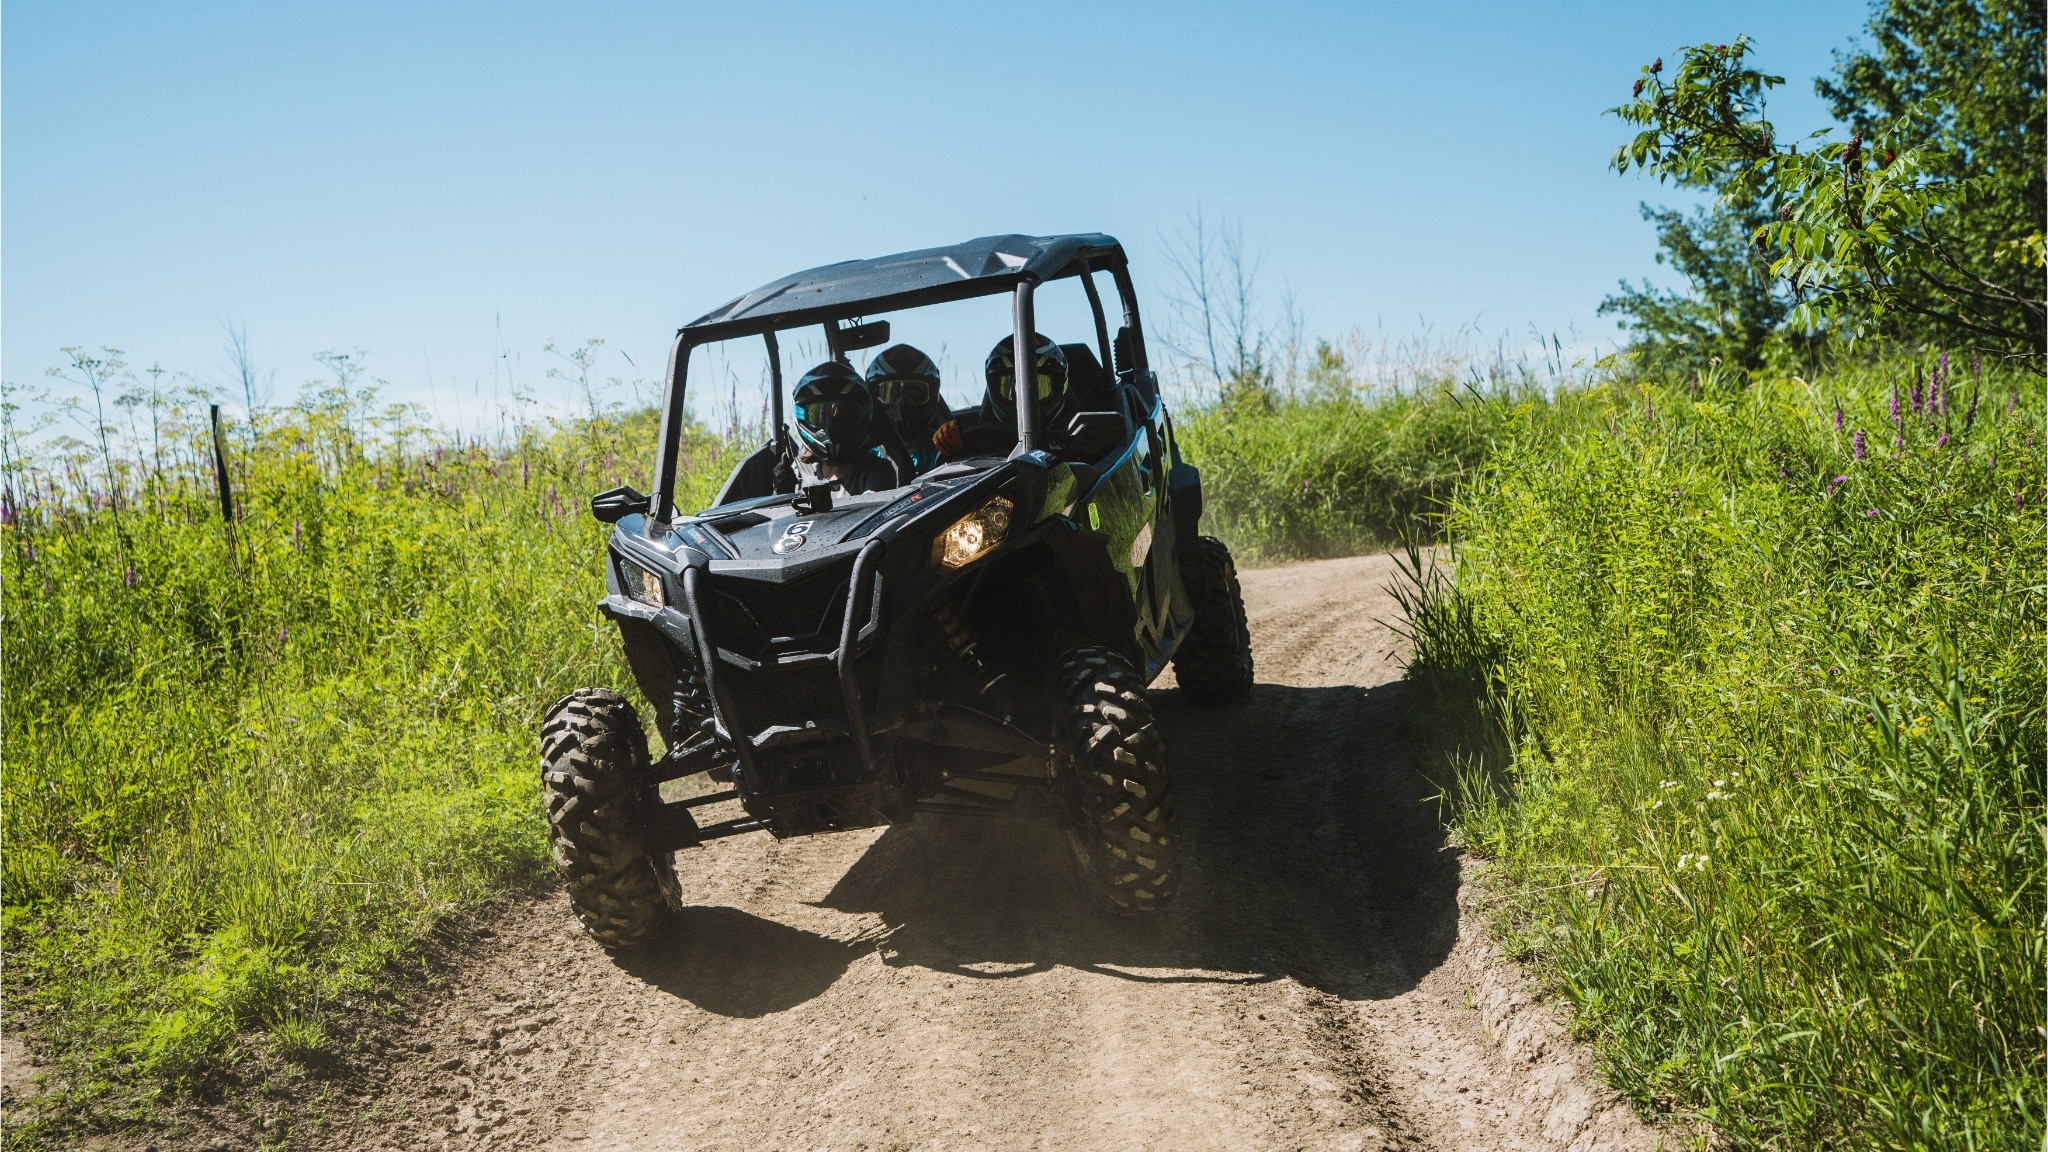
(1006, 386)
(900, 391)
(819, 413)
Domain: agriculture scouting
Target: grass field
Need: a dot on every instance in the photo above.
(1744, 701)
(246, 769)
(1748, 689)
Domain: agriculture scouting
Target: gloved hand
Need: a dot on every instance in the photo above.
(948, 439)
(785, 475)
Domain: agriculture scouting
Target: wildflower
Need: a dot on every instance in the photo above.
(1895, 404)
(522, 471)
(1836, 483)
(283, 634)
(1838, 417)
(1970, 417)
(128, 579)
(1870, 513)
(1858, 445)
(297, 544)
(1899, 445)
(1943, 440)
(1916, 397)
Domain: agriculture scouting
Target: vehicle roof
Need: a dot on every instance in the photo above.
(979, 267)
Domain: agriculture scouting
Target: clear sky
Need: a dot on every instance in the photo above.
(434, 182)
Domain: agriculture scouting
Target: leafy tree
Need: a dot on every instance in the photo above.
(1926, 224)
(1733, 308)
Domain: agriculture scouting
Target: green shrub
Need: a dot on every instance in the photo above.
(245, 770)
(1759, 743)
(1336, 471)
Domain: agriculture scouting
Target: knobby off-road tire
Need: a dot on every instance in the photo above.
(1214, 660)
(1120, 800)
(593, 761)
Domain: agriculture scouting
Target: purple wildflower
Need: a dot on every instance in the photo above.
(1916, 395)
(1870, 513)
(1838, 417)
(1970, 417)
(297, 544)
(522, 471)
(1835, 483)
(283, 634)
(128, 580)
(31, 551)
(1977, 366)
(1895, 404)
(1858, 446)
(1899, 445)
(1941, 442)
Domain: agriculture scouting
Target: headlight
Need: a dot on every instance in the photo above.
(641, 585)
(972, 536)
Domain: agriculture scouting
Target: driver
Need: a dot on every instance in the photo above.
(906, 383)
(833, 415)
(996, 428)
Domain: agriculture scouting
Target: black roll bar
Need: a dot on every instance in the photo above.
(1023, 367)
(661, 506)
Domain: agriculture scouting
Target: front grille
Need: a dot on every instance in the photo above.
(746, 615)
(788, 697)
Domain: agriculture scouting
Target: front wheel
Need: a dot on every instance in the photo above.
(593, 764)
(1214, 660)
(1120, 820)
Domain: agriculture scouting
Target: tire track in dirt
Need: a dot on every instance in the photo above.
(943, 984)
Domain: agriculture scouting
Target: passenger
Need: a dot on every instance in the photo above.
(833, 417)
(905, 383)
(995, 427)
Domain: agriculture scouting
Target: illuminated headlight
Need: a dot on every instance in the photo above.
(641, 585)
(972, 536)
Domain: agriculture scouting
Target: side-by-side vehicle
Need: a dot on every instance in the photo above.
(977, 639)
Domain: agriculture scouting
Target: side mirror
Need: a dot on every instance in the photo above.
(615, 504)
(866, 335)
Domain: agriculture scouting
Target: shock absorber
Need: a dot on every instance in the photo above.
(966, 652)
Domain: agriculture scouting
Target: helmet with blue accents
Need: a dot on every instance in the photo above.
(833, 412)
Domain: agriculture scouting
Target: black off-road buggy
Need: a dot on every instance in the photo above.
(977, 640)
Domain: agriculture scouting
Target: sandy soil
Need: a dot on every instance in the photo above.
(1321, 983)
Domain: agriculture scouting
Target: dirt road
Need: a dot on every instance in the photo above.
(942, 986)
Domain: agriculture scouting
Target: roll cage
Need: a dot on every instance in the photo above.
(854, 289)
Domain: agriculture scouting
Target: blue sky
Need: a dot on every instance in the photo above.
(434, 183)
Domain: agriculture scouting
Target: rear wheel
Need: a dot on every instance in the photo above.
(593, 763)
(1214, 660)
(1120, 800)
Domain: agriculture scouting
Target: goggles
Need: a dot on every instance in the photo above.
(1006, 385)
(824, 411)
(899, 391)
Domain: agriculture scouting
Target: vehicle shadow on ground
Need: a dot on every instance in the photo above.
(1313, 852)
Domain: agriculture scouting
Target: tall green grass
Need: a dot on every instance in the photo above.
(1338, 469)
(246, 768)
(1743, 692)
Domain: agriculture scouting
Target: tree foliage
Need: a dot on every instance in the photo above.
(1925, 224)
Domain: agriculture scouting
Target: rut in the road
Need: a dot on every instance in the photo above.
(944, 984)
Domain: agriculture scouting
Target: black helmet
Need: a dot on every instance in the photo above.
(1049, 364)
(905, 379)
(833, 411)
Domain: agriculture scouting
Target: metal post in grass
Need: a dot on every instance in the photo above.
(220, 468)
